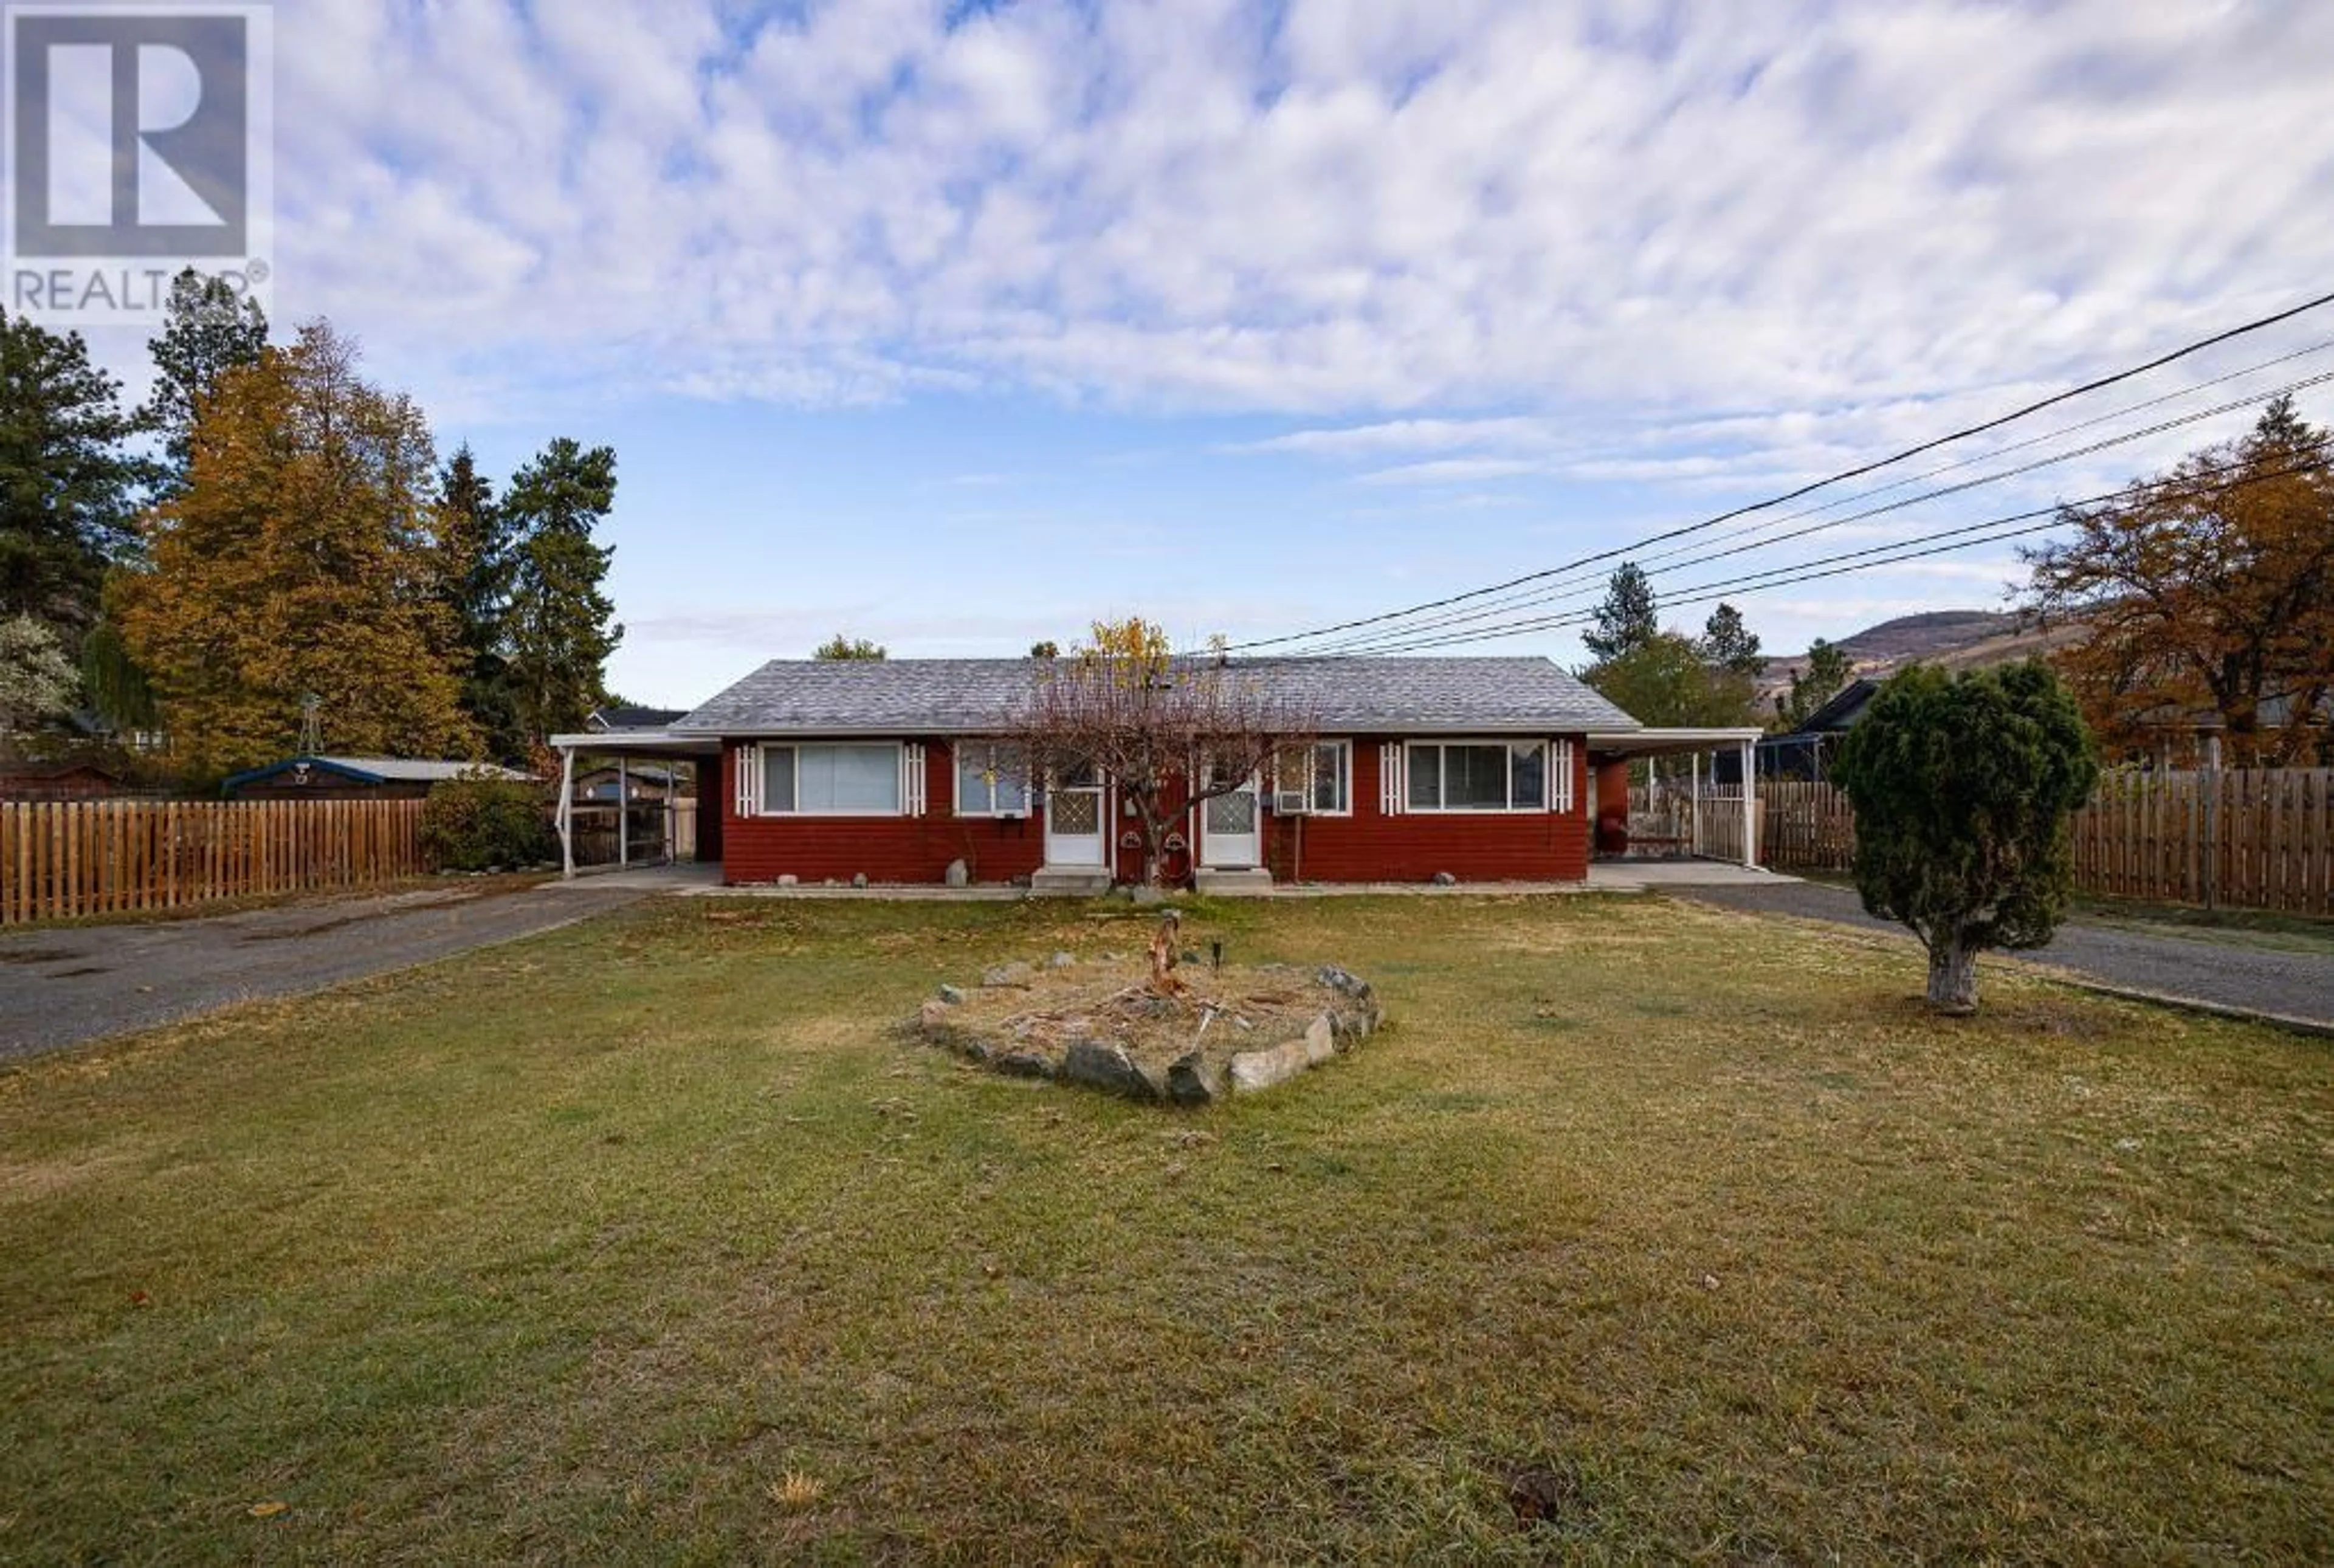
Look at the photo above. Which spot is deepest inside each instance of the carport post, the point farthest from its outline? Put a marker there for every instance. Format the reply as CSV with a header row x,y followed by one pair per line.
x,y
1693,812
1750,807
567,821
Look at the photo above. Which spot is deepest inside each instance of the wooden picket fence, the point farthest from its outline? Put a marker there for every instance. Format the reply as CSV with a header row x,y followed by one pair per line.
x,y
63,859
2248,839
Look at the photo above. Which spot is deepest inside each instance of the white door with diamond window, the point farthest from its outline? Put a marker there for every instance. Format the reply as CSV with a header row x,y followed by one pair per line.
x,y
1077,825
1231,830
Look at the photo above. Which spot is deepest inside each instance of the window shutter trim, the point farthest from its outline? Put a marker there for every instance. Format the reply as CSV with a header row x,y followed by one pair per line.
x,y
1389,779
911,779
749,781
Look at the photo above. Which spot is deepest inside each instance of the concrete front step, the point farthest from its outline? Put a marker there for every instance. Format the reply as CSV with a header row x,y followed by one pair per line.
x,y
1070,882
1252,883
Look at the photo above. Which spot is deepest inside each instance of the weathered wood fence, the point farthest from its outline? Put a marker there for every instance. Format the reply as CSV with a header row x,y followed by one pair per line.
x,y
63,859
2249,839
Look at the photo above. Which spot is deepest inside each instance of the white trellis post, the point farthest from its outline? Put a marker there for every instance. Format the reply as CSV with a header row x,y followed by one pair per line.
x,y
623,813
567,811
1694,810
1750,807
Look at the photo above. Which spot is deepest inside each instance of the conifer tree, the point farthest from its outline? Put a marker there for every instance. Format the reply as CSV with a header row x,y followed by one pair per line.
x,y
1628,619
562,625
207,330
481,567
68,481
1963,788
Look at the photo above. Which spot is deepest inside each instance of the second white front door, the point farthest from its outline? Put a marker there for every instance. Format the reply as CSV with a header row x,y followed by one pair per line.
x,y
1231,830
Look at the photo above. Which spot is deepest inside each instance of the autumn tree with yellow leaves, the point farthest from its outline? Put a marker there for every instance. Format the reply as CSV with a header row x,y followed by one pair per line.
x,y
307,556
2209,593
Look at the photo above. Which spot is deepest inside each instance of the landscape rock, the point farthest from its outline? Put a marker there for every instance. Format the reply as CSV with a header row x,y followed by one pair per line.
x,y
957,875
789,880
1320,1041
1255,1070
1022,1064
1105,1065
859,881
951,994
1060,961
1013,974
1344,982
1444,880
1193,1080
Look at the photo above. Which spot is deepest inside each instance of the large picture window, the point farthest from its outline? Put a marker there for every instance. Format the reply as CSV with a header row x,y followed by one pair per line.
x,y
1474,775
991,781
831,780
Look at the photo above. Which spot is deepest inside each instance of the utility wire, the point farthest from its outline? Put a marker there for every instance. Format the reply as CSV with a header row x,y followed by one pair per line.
x,y
2013,526
1574,589
1543,594
2096,384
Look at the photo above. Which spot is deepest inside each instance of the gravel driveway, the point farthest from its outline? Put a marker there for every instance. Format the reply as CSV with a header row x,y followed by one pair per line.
x,y
74,983
2218,972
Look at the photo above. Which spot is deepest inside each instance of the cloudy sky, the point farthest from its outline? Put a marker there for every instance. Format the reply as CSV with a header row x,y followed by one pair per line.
x,y
957,326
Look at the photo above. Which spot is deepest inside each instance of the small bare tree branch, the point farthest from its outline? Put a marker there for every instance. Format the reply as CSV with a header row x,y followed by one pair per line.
x,y
1169,733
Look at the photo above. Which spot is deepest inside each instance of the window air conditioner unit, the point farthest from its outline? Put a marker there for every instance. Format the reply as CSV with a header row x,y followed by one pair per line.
x,y
1291,802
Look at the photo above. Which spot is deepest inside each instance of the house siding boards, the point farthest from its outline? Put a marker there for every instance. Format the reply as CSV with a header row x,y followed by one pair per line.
x,y
935,704
888,849
1369,845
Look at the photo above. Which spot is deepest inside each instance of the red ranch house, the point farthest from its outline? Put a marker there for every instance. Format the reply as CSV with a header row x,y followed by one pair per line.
x,y
895,770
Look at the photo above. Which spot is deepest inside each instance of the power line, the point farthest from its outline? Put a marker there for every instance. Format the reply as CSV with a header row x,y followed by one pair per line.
x,y
2013,526
1574,587
1517,600
2183,352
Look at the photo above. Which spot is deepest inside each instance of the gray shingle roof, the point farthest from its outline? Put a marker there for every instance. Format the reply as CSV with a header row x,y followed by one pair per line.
x,y
970,695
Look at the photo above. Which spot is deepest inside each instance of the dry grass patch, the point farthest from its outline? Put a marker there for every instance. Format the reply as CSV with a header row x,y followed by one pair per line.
x,y
1642,1231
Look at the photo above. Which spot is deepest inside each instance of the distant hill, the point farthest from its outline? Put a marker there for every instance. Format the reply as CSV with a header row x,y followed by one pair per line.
x,y
1955,638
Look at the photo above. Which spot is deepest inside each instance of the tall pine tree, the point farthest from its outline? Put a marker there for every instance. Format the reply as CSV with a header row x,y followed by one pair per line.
x,y
68,481
1628,619
481,569
208,330
562,625
302,556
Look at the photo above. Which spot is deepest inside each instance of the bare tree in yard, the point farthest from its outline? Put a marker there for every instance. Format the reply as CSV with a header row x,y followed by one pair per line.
x,y
1169,733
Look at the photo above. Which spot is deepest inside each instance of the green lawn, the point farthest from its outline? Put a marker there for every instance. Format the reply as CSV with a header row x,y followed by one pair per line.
x,y
1682,1236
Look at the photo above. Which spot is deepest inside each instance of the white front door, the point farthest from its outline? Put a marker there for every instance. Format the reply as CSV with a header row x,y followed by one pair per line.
x,y
1077,825
1231,831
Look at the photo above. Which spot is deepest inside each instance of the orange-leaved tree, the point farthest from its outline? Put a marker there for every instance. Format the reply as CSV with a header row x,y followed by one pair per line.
x,y
2209,593
1167,732
302,561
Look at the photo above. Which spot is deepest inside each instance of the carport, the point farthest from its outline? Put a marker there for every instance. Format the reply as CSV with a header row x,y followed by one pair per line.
x,y
1718,823
625,747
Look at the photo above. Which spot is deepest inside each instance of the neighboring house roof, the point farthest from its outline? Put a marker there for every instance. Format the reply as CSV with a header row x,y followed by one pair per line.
x,y
1846,706
373,770
608,719
972,696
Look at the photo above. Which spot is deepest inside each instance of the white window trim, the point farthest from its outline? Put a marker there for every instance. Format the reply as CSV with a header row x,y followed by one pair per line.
x,y
1547,786
911,801
1559,775
1394,780
1030,790
1313,756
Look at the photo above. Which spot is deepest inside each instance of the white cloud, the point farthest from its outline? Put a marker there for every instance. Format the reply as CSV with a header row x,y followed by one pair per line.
x,y
1373,209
